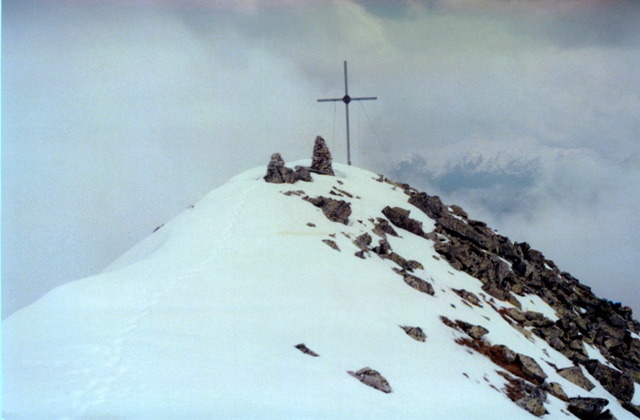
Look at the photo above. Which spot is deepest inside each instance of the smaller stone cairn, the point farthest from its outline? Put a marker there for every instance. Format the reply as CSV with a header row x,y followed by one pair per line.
x,y
321,160
277,173
321,163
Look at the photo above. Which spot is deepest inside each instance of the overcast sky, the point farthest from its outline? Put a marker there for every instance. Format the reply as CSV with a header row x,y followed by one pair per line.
x,y
117,115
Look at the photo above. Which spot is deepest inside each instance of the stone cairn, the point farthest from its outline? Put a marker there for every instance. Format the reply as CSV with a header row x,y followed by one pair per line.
x,y
321,160
321,163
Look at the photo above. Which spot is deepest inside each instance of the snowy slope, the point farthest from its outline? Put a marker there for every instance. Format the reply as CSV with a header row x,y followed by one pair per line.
x,y
200,320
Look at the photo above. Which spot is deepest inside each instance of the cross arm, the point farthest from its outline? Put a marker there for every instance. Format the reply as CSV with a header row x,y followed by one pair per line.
x,y
330,100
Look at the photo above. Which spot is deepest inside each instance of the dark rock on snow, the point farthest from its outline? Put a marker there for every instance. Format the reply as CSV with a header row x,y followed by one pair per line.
x,y
373,378
335,210
306,350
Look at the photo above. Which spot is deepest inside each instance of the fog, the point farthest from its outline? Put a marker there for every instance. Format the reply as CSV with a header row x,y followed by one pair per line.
x,y
118,115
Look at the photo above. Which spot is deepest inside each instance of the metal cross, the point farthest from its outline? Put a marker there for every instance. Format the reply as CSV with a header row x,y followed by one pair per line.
x,y
346,99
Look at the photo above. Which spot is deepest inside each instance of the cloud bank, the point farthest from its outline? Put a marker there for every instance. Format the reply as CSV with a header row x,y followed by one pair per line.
x,y
118,115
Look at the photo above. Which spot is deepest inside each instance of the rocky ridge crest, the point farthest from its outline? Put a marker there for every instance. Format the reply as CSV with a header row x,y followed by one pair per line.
x,y
506,269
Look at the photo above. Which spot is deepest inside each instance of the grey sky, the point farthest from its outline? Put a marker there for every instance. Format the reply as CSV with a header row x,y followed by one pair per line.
x,y
118,115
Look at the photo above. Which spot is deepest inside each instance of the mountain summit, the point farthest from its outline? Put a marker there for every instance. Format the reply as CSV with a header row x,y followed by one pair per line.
x,y
323,291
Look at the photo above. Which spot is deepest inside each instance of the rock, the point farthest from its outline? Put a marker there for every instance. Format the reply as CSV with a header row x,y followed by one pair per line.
x,y
531,368
363,241
587,408
416,282
505,354
383,247
473,331
335,210
632,408
321,161
373,378
400,218
574,374
408,265
306,350
619,384
468,296
415,332
525,395
532,405
556,390
383,228
332,244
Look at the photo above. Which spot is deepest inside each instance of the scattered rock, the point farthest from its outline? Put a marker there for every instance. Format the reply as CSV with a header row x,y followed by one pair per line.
x,y
468,296
373,378
416,282
311,224
415,332
587,408
363,241
335,210
321,161
574,374
383,228
306,350
332,244
383,248
474,331
525,395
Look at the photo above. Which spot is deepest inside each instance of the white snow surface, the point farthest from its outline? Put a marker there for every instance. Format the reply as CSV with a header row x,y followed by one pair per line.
x,y
200,320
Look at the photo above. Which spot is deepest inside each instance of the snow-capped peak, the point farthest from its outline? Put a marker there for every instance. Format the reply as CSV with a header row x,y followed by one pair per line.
x,y
347,296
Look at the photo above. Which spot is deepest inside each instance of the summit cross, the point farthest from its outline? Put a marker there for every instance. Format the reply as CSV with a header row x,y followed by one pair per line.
x,y
346,99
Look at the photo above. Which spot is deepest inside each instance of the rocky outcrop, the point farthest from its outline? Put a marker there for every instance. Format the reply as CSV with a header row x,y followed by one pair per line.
x,y
278,173
620,385
509,269
373,378
321,161
400,218
335,210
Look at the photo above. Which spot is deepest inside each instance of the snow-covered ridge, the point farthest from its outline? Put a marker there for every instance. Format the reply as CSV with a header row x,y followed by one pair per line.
x,y
202,319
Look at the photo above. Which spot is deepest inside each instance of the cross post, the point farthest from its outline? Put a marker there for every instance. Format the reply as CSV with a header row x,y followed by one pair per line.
x,y
346,99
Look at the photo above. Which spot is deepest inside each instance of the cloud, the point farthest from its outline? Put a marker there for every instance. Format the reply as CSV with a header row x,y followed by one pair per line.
x,y
118,115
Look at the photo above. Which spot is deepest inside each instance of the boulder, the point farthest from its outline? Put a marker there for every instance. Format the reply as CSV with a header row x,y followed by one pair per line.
x,y
619,384
587,408
373,378
335,210
415,332
574,375
321,160
416,282
531,368
474,331
400,218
